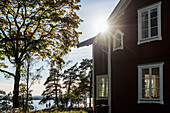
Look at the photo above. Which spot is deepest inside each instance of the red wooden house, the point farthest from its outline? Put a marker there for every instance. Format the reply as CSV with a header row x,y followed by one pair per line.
x,y
132,59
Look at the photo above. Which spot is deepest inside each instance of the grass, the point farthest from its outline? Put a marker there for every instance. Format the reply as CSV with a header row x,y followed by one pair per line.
x,y
41,111
71,112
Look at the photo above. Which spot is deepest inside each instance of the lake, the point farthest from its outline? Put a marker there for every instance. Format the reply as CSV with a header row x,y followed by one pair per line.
x,y
38,106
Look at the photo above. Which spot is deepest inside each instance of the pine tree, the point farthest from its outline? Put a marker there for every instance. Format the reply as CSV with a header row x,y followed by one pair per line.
x,y
70,79
85,84
53,87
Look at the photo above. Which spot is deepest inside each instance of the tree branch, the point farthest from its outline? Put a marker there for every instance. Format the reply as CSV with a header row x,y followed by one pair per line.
x,y
3,33
15,18
9,23
4,71
36,28
24,17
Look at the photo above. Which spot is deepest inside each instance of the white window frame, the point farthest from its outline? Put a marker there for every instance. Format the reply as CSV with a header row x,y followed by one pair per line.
x,y
150,66
97,87
153,38
114,40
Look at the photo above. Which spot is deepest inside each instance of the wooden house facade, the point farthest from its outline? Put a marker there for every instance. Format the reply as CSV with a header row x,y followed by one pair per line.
x,y
132,59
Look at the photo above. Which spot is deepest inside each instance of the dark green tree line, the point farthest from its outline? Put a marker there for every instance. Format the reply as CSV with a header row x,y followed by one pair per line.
x,y
53,87
75,84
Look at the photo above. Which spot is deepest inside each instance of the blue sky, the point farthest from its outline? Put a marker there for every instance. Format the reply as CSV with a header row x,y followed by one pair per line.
x,y
93,12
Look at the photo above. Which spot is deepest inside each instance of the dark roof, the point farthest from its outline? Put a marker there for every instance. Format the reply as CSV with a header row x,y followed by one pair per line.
x,y
86,42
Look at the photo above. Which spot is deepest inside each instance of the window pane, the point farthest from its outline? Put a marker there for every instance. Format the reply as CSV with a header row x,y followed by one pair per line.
x,y
154,22
155,72
154,31
145,73
101,87
145,93
145,25
145,33
145,83
153,13
155,83
155,93
144,16
118,40
106,87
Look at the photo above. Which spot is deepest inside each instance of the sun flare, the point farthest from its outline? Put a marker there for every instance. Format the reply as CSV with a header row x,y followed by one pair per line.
x,y
101,26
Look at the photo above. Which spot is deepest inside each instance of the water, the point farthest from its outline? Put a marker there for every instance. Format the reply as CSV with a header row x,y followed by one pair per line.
x,y
38,106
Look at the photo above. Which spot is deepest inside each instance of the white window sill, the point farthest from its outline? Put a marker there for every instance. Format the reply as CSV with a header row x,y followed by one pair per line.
x,y
153,101
102,98
118,48
146,40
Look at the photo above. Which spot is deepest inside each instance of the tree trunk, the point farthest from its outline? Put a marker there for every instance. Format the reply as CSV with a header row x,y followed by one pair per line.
x,y
26,107
56,92
6,107
28,71
16,88
78,104
69,85
23,102
56,98
90,89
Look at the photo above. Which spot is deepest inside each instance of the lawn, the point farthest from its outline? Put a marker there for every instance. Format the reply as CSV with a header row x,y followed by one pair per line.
x,y
40,111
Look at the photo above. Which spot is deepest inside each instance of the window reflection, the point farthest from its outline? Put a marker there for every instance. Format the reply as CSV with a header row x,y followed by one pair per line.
x,y
150,83
102,87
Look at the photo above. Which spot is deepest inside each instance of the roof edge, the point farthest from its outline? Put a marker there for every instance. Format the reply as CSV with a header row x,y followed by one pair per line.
x,y
86,42
115,15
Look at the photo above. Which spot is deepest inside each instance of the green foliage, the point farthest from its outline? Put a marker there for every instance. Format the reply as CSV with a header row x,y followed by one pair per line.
x,y
29,78
53,87
22,97
70,77
77,81
46,29
85,68
71,96
84,86
5,100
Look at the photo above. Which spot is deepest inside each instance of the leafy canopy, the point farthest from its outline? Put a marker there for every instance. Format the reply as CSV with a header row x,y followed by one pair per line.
x,y
44,28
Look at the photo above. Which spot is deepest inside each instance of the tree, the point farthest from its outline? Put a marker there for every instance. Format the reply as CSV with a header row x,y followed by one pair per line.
x,y
5,101
53,87
70,78
85,84
44,28
23,96
29,78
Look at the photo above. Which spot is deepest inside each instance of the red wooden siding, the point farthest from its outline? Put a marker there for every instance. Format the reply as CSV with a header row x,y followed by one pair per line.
x,y
124,62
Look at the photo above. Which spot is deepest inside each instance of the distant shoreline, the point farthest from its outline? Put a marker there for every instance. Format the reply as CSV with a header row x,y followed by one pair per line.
x,y
33,97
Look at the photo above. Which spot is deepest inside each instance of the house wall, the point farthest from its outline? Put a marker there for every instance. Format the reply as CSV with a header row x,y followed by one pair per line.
x,y
124,62
100,68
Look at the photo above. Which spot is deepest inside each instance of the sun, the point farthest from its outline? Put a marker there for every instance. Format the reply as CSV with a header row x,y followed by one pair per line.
x,y
101,26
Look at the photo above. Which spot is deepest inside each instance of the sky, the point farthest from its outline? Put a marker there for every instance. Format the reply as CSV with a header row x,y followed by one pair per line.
x,y
94,13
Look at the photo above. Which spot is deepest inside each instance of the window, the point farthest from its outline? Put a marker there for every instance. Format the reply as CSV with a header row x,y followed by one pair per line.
x,y
149,23
150,83
118,40
102,87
